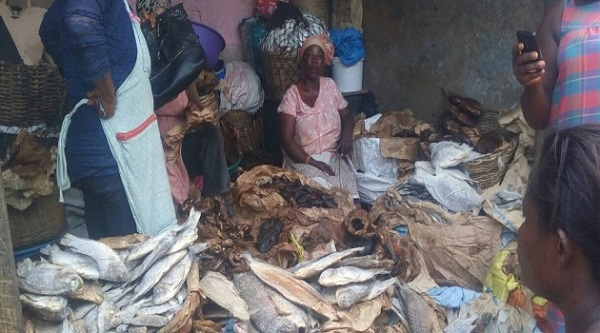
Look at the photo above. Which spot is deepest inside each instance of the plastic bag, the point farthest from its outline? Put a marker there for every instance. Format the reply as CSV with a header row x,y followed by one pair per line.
x,y
374,173
244,91
370,187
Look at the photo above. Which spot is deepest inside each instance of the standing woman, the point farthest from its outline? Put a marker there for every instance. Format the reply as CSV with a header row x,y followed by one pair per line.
x,y
316,125
562,89
109,146
559,242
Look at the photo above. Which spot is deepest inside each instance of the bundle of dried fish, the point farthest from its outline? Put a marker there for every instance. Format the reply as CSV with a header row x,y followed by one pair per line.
x,y
111,296
269,234
299,195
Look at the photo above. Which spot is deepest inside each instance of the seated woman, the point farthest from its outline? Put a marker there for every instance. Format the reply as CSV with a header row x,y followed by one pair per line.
x,y
315,123
558,244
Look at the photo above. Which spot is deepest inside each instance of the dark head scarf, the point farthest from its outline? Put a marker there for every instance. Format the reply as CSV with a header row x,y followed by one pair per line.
x,y
151,5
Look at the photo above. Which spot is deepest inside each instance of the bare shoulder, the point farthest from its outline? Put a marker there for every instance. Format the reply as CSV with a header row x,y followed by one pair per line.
x,y
552,19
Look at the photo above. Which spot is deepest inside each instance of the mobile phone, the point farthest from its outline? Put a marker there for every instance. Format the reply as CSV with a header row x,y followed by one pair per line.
x,y
527,38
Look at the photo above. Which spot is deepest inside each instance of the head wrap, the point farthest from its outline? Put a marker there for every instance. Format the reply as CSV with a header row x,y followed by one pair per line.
x,y
151,5
323,42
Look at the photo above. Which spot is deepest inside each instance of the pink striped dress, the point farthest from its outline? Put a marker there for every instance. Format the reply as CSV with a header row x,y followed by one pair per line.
x,y
576,97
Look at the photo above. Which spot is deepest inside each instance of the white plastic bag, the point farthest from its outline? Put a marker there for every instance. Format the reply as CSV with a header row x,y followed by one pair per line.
x,y
244,91
381,172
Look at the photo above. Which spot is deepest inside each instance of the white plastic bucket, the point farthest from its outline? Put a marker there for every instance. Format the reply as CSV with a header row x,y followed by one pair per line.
x,y
348,79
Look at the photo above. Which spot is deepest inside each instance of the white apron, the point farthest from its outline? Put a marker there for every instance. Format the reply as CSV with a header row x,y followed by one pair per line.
x,y
134,140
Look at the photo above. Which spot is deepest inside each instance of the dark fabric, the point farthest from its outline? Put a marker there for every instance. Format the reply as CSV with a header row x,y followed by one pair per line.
x,y
285,11
177,56
203,154
151,5
107,211
87,39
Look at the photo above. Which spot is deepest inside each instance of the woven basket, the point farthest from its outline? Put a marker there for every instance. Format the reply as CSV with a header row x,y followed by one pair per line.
x,y
40,222
242,131
30,95
280,69
489,169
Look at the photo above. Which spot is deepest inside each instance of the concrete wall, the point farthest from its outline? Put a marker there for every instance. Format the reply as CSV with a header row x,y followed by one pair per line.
x,y
414,47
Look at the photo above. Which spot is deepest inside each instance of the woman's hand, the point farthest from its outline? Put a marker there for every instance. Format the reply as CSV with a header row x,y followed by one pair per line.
x,y
346,141
104,106
526,69
322,166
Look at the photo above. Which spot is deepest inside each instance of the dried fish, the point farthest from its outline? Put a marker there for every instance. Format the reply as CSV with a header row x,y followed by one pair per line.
x,y
172,306
345,275
266,314
68,326
184,239
91,320
106,312
150,320
90,292
347,296
47,279
171,282
417,311
125,315
51,308
81,310
156,272
223,292
158,252
313,267
268,235
123,242
140,250
111,268
367,262
138,329
82,264
291,288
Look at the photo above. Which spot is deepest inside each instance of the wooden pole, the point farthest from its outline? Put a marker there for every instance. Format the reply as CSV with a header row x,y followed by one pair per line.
x,y
11,318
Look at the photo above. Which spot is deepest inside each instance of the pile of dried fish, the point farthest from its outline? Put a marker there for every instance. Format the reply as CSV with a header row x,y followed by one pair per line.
x,y
469,122
127,284
301,196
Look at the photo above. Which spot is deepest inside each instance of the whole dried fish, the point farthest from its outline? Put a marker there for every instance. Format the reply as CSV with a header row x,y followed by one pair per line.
x,y
83,265
223,292
51,308
347,296
172,306
171,282
184,239
313,267
138,329
111,268
106,312
140,250
91,292
367,262
417,311
47,279
91,320
345,275
265,313
159,251
156,272
295,290
69,326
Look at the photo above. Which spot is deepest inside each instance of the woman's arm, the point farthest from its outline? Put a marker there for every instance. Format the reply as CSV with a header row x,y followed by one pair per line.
x,y
539,78
287,125
346,139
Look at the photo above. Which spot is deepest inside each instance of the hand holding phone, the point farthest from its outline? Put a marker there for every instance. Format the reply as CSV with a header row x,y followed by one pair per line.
x,y
527,38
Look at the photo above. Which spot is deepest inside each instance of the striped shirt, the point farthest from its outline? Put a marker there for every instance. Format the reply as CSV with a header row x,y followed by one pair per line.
x,y
576,97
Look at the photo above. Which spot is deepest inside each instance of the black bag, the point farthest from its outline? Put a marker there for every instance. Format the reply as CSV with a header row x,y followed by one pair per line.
x,y
177,56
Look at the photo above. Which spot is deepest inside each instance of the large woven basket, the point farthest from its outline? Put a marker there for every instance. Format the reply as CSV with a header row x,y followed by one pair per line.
x,y
40,222
281,69
242,130
30,95
489,169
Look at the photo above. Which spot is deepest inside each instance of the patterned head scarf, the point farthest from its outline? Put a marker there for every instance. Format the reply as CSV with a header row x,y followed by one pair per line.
x,y
149,6
323,42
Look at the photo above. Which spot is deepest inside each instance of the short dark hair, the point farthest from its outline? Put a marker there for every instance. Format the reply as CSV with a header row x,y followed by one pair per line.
x,y
565,184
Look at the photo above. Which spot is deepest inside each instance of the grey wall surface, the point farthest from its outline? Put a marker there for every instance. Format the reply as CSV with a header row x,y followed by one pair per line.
x,y
414,47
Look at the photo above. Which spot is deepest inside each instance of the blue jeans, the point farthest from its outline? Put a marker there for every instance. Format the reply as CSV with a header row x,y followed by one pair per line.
x,y
107,211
